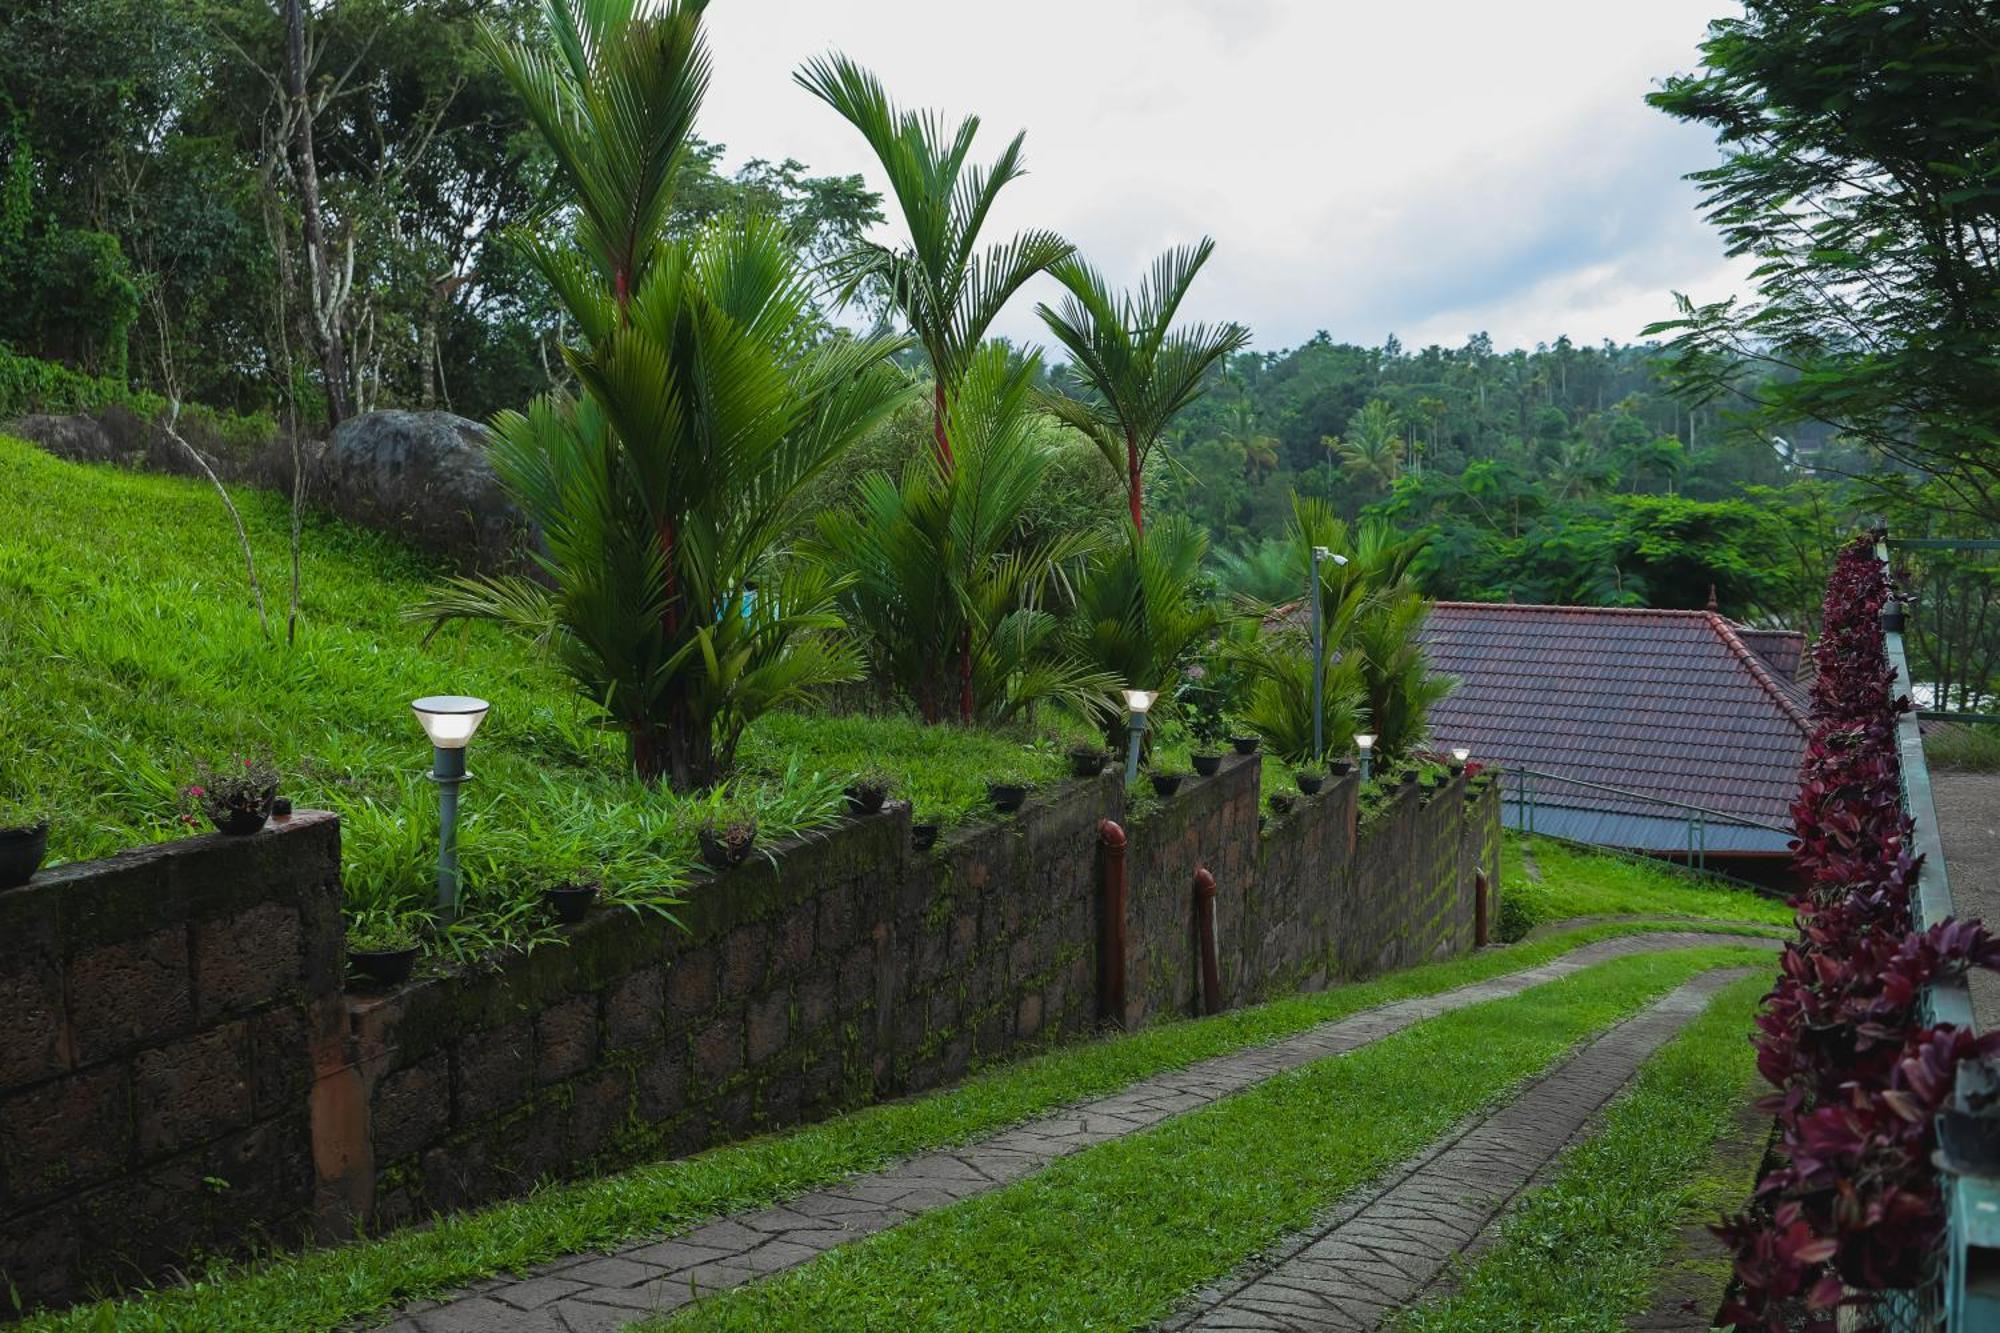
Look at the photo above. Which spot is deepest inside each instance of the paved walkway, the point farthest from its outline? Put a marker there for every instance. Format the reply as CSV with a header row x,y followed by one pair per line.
x,y
1968,811
1386,1250
597,1293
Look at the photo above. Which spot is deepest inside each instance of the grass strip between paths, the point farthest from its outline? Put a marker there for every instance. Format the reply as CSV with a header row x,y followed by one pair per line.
x,y
1115,1236
1585,1251
328,1288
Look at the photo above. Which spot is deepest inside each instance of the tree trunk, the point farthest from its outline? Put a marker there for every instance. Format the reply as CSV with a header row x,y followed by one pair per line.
x,y
1132,482
937,426
326,310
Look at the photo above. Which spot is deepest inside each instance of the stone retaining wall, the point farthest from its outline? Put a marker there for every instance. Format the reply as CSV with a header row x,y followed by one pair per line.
x,y
174,1019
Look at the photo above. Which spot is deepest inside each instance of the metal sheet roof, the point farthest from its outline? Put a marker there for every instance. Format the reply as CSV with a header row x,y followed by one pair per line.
x,y
1640,833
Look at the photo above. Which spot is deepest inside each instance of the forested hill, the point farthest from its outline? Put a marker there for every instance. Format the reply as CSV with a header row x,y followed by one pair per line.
x,y
1563,474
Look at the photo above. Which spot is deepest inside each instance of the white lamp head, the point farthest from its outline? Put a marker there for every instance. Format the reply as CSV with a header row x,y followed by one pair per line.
x,y
1327,553
450,719
1364,742
1138,701
1460,755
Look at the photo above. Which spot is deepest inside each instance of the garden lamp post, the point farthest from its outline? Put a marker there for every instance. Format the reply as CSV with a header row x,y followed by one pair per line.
x,y
1137,702
1366,744
449,720
1319,553
1458,758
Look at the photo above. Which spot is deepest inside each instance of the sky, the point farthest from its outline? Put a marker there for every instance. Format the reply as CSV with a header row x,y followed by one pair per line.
x,y
1422,168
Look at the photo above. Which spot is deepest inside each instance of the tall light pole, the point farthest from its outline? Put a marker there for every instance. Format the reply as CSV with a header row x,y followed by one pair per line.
x,y
449,720
1319,553
1365,743
1137,702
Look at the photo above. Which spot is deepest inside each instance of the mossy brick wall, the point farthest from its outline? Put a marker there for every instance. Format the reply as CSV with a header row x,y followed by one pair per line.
x,y
1309,897
845,968
182,1071
158,1013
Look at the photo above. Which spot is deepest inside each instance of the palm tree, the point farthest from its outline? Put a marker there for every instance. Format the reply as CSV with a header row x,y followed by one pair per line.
x,y
946,288
1373,448
710,397
1124,348
1140,613
936,573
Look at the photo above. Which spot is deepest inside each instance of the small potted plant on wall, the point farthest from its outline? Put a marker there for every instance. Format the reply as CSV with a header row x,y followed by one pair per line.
x,y
382,947
236,794
24,841
571,898
1244,742
1166,782
1086,761
726,842
1007,797
1310,780
924,835
868,791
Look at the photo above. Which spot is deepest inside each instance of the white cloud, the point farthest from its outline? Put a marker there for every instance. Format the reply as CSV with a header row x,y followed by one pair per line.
x,y
1428,168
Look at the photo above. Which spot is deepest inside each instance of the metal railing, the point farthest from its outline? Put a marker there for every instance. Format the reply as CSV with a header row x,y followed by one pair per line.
x,y
1966,1293
1697,816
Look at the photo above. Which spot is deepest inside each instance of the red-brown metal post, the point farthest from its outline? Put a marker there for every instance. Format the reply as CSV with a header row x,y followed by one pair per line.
x,y
1204,918
1479,909
1111,925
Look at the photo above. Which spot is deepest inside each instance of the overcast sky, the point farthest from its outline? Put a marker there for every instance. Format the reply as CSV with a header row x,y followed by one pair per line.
x,y
1427,168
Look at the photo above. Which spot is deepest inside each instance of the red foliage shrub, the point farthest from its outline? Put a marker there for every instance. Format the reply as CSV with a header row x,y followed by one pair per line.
x,y
1854,1204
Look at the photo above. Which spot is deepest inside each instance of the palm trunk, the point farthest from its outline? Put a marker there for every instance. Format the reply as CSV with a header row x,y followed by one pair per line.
x,y
1132,481
937,426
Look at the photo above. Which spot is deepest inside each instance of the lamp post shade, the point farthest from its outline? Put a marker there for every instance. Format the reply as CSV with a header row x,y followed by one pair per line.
x,y
450,719
1138,701
1364,742
1460,755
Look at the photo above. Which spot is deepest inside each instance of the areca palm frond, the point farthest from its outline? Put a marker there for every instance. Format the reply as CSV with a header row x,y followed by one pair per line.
x,y
1372,450
1395,672
953,606
1280,667
1140,614
1141,369
944,285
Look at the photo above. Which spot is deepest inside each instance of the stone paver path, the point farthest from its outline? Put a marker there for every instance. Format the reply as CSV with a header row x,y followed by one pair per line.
x,y
597,1293
1383,1251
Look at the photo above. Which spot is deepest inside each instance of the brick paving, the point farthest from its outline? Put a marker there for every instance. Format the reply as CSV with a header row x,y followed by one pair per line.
x,y
1386,1250
597,1293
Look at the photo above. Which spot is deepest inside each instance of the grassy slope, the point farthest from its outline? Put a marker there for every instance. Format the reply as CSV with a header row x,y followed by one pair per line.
x,y
1112,1237
1583,1252
128,647
324,1289
1575,883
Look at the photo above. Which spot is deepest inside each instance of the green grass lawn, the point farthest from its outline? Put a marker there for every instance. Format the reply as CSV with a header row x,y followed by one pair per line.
x,y
326,1289
1115,1236
129,649
1576,882
1584,1251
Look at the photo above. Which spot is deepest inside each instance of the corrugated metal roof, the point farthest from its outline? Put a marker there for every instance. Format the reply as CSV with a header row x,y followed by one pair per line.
x,y
1673,704
1639,833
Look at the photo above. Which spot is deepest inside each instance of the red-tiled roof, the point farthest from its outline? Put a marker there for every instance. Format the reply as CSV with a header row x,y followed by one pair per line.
x,y
1783,649
1675,704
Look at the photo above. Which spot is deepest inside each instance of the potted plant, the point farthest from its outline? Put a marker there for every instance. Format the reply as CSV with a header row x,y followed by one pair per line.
x,y
236,795
923,836
24,841
382,948
1310,780
1244,744
1086,761
1207,765
1281,802
725,844
1007,797
1340,768
570,900
867,792
1166,783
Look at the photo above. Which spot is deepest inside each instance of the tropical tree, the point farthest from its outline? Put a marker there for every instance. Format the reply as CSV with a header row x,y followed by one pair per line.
x,y
948,289
1141,369
1279,665
953,603
1140,612
711,394
1372,450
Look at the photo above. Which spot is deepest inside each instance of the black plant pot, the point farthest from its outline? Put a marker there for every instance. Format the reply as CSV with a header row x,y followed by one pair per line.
x,y
865,798
1207,764
1007,797
923,836
384,967
1166,784
1340,768
1309,783
570,901
1244,744
239,822
1086,763
721,853
1281,802
21,851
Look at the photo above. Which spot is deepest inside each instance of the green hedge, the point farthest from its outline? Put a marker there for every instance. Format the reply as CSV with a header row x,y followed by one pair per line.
x,y
29,385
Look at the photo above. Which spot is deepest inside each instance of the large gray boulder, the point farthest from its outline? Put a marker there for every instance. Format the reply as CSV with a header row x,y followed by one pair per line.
x,y
425,477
